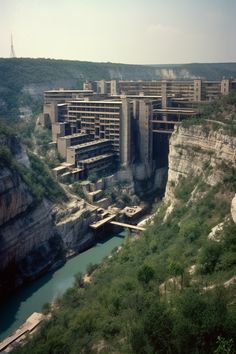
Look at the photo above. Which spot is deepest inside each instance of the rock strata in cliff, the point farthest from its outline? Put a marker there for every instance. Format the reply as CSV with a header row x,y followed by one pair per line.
x,y
198,151
233,209
34,238
72,224
15,197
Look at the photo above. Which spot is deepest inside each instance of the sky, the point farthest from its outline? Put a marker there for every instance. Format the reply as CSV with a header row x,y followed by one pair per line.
x,y
121,31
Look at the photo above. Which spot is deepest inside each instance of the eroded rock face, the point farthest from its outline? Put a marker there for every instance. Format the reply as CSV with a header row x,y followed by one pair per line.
x,y
73,227
195,151
29,245
15,197
34,239
233,209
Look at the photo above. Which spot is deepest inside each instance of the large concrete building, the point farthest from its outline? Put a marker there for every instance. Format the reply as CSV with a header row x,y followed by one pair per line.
x,y
125,122
192,90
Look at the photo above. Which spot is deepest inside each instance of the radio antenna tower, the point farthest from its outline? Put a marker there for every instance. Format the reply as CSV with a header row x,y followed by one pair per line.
x,y
12,54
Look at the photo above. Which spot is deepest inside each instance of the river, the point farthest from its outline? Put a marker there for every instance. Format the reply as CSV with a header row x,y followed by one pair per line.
x,y
30,298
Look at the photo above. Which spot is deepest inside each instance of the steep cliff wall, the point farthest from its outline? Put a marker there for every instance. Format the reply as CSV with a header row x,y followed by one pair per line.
x,y
34,239
28,243
72,222
15,197
35,233
199,150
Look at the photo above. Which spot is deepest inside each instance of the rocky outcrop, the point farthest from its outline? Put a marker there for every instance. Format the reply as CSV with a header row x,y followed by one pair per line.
x,y
216,232
25,233
29,245
34,238
198,150
72,224
15,197
233,209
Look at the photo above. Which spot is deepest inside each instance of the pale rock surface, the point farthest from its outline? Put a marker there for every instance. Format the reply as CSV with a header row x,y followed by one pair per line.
x,y
194,149
233,209
215,234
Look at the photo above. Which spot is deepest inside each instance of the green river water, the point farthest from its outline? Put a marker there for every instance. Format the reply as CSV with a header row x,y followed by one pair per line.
x,y
31,298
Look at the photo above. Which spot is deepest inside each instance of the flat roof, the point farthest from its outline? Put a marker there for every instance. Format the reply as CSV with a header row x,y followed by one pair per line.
x,y
77,135
89,143
59,168
62,104
99,223
97,101
96,158
66,174
139,96
68,91
62,166
175,110
76,170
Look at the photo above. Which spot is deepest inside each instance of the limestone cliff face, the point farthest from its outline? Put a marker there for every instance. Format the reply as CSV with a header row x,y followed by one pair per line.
x,y
198,150
72,224
25,233
233,209
34,239
29,244
15,197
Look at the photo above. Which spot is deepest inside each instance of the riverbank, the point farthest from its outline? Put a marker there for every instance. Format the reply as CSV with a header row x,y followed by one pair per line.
x,y
31,297
20,335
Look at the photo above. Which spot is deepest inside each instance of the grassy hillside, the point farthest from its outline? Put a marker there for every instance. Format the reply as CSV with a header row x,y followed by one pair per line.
x,y
171,290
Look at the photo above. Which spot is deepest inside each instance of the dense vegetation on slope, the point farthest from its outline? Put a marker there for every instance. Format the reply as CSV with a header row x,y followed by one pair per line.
x,y
167,291
219,114
37,176
127,310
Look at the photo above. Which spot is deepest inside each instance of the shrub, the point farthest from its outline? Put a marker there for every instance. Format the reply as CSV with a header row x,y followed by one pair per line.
x,y
145,274
91,268
230,98
46,308
209,257
40,181
190,230
125,198
185,188
77,189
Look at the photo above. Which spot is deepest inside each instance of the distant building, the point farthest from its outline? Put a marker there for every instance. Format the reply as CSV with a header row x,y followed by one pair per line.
x,y
123,122
191,90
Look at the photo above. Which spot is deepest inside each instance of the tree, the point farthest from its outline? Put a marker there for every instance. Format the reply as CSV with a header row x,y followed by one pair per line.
x,y
209,257
224,346
145,274
79,280
176,269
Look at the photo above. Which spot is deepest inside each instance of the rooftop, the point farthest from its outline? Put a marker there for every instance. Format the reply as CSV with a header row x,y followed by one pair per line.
x,y
108,101
69,91
77,135
62,166
96,158
89,143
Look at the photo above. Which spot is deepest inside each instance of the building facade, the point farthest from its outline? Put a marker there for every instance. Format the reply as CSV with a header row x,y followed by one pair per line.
x,y
119,121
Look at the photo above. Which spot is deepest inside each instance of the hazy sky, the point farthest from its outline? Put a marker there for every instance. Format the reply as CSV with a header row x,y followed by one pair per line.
x,y
125,31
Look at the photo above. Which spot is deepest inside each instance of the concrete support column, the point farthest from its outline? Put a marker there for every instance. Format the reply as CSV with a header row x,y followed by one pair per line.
x,y
225,86
145,132
125,124
197,87
164,94
114,88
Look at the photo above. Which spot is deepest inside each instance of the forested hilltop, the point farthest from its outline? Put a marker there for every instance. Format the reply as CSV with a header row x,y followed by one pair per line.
x,y
24,78
172,288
